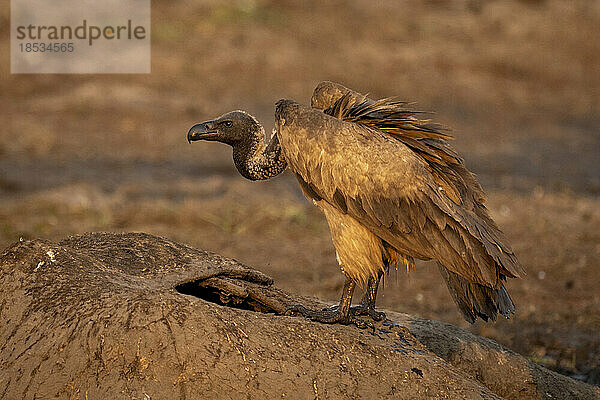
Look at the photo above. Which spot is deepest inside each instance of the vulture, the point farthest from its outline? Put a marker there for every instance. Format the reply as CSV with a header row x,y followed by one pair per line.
x,y
392,190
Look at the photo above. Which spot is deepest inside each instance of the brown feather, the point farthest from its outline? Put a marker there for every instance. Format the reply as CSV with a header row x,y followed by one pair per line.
x,y
395,174
426,139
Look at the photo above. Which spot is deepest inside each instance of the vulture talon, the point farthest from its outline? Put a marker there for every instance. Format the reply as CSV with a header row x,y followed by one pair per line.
x,y
329,315
360,310
323,316
363,309
335,315
331,308
295,309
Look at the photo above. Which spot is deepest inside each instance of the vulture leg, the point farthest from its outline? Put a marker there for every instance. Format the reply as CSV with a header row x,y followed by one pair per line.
x,y
367,305
338,315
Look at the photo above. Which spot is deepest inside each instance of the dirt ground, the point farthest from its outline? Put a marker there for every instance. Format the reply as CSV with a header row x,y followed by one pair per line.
x,y
516,81
162,320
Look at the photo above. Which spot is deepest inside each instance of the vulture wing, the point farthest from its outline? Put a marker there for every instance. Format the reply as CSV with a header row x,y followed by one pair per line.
x,y
379,166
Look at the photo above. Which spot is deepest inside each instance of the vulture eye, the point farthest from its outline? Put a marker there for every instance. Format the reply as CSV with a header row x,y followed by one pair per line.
x,y
228,124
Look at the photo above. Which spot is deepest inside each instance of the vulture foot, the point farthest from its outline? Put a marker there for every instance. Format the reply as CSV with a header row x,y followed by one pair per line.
x,y
362,309
331,315
367,305
365,309
340,314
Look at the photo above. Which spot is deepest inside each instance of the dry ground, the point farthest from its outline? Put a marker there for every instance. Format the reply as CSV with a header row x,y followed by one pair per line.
x,y
517,81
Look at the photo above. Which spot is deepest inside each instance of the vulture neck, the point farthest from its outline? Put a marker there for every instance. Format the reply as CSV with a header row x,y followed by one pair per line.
x,y
255,161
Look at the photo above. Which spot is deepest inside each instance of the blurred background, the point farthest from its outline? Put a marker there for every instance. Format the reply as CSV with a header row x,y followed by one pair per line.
x,y
517,81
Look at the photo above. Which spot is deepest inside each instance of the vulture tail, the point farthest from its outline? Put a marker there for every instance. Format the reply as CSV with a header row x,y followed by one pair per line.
x,y
475,300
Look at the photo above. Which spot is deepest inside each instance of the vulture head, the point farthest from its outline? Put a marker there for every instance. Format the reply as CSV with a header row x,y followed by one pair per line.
x,y
236,128
245,135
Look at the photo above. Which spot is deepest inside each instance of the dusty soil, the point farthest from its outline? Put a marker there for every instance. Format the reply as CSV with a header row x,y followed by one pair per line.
x,y
517,81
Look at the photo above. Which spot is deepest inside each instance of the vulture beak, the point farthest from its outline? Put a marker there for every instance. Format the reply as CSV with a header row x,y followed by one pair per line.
x,y
202,131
